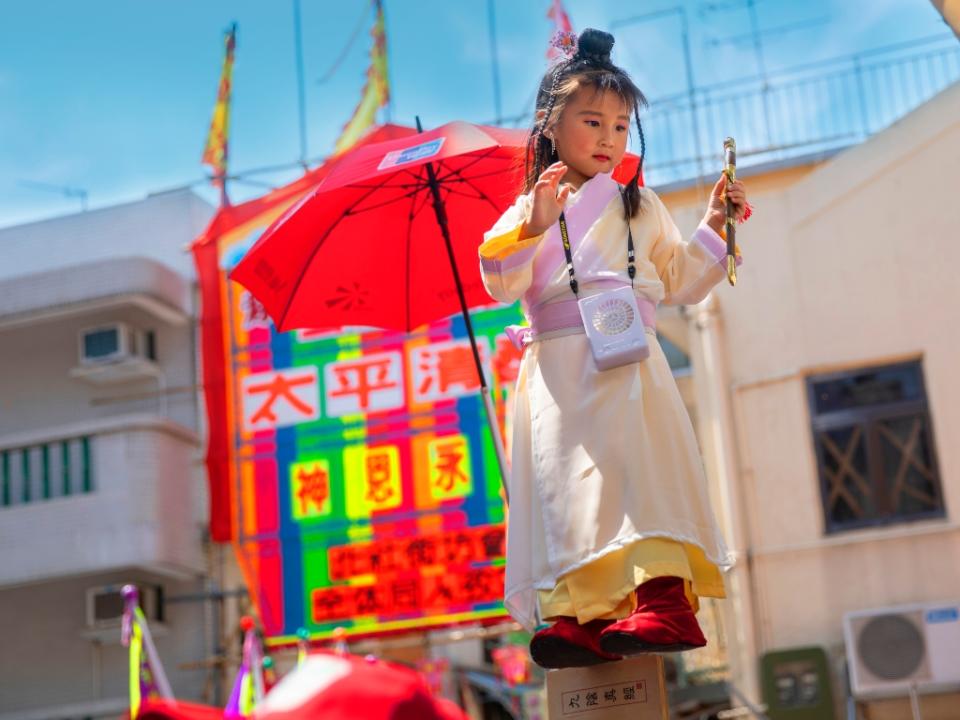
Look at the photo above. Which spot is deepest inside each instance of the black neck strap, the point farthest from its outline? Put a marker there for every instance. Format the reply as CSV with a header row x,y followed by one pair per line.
x,y
565,238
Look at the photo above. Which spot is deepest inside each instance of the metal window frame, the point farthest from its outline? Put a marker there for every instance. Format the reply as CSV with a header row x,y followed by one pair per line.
x,y
868,417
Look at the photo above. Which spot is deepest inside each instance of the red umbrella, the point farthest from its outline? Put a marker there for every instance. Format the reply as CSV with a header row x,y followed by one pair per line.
x,y
389,239
328,686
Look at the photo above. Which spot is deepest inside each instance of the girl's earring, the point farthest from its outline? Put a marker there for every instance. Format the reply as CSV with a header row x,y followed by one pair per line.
x,y
553,145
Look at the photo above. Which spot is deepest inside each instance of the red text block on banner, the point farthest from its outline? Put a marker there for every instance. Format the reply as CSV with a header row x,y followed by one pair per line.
x,y
402,595
452,548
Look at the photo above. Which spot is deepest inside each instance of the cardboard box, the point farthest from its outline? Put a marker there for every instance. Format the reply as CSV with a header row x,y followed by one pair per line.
x,y
631,689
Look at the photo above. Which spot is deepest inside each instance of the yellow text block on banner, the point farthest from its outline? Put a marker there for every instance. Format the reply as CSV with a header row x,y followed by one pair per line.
x,y
372,477
449,467
310,489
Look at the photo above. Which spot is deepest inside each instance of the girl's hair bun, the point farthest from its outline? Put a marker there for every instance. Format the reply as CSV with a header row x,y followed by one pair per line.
x,y
595,45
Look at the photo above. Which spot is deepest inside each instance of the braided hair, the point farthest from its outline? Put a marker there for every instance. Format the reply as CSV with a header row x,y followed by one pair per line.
x,y
590,66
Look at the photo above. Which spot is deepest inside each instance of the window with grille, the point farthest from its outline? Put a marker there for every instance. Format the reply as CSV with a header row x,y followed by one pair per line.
x,y
875,449
46,471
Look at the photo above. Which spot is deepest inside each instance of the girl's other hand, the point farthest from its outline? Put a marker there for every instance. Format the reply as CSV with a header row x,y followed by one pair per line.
x,y
717,206
548,201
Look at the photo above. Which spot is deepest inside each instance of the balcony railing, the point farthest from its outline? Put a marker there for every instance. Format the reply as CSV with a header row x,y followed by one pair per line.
x,y
46,471
809,109
98,495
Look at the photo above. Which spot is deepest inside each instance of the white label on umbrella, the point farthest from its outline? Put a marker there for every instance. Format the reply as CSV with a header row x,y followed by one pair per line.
x,y
411,154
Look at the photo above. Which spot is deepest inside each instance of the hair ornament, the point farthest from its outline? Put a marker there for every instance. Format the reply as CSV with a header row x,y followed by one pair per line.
x,y
565,43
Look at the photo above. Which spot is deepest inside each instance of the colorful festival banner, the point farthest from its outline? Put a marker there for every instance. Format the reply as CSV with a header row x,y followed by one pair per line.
x,y
353,469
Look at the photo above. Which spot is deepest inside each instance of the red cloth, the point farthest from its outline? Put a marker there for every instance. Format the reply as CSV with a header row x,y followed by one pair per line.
x,y
345,687
177,710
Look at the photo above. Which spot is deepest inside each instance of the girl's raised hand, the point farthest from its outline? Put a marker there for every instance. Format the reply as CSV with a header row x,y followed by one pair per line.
x,y
548,201
717,206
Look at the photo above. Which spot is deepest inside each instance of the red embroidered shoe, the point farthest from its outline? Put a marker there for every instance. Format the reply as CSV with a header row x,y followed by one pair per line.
x,y
567,643
662,622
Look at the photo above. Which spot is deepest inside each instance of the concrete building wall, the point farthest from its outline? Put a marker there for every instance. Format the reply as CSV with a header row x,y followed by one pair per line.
x,y
141,511
49,658
849,263
37,389
158,227
141,515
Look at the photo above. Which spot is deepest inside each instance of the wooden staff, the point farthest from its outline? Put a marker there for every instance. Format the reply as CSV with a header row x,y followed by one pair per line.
x,y
730,170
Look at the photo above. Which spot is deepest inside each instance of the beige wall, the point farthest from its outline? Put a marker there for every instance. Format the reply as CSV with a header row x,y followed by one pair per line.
x,y
849,262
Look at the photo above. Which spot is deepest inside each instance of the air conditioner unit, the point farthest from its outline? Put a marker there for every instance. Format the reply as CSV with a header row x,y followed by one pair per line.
x,y
116,353
113,343
890,650
105,605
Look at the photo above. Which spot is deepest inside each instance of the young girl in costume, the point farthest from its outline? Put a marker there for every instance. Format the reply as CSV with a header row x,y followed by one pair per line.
x,y
610,538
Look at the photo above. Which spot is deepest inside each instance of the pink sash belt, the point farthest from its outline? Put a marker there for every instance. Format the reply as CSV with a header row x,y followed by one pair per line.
x,y
565,315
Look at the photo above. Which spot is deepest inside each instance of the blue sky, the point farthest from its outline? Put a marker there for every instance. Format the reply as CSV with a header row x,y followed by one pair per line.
x,y
115,96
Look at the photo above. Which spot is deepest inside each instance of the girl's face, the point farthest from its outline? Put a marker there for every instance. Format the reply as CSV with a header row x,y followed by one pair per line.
x,y
591,134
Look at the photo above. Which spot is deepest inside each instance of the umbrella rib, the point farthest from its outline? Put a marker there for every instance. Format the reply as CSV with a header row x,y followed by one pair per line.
x,y
384,182
478,176
383,185
303,272
477,158
391,201
315,250
486,174
450,190
459,174
416,187
481,193
424,199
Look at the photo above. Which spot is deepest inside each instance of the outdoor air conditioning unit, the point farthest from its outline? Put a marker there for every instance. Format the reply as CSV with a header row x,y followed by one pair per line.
x,y
115,342
104,610
890,650
105,604
116,353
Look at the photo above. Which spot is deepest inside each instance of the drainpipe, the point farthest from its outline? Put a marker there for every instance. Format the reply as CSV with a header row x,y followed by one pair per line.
x,y
717,436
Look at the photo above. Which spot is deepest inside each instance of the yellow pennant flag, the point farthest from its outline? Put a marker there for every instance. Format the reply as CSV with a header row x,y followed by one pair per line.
x,y
376,93
215,152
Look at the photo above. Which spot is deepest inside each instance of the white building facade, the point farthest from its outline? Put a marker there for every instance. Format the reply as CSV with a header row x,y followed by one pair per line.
x,y
101,474
828,407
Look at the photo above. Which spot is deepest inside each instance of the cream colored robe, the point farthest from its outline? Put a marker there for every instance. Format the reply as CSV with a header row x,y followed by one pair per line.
x,y
599,459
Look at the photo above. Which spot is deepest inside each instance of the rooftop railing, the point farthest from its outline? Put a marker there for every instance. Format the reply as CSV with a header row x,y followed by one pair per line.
x,y
808,109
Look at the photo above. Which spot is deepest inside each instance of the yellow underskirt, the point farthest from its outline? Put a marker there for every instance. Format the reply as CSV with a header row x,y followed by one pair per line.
x,y
604,589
